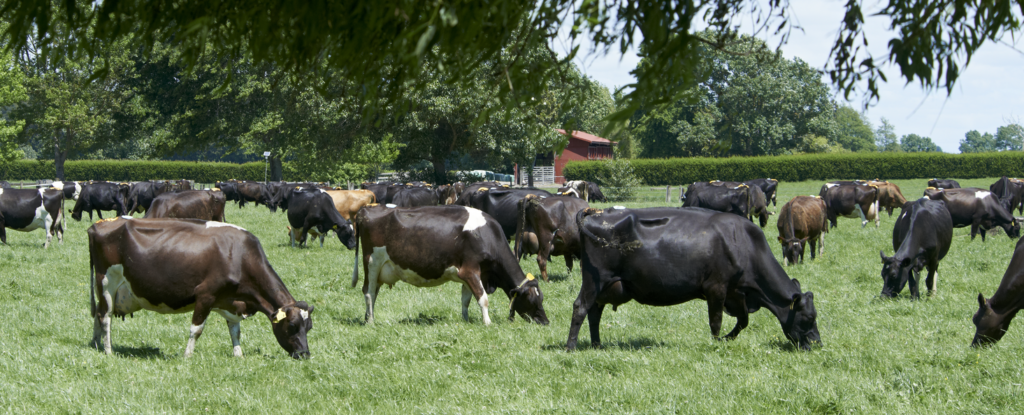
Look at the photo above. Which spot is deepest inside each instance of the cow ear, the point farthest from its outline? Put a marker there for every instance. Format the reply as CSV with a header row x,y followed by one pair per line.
x,y
884,258
795,305
981,301
797,282
781,239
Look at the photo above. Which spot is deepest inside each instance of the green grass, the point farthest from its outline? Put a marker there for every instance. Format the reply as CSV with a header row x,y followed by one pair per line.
x,y
896,356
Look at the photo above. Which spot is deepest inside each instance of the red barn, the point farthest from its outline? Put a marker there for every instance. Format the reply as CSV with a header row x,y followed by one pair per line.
x,y
582,146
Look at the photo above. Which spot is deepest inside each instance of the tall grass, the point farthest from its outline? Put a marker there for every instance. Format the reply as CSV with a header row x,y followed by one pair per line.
x,y
896,356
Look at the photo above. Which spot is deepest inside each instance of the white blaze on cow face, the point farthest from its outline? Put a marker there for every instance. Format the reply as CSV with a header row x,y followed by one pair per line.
x,y
475,220
215,224
981,194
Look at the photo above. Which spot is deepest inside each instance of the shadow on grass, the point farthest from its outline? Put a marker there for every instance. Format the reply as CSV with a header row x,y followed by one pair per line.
x,y
352,321
423,320
559,277
144,352
632,345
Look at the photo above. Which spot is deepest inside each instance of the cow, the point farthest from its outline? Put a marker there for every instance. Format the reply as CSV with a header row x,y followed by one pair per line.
x,y
26,210
100,196
943,184
568,191
430,245
71,189
547,226
348,202
473,188
257,193
380,190
1009,194
851,201
4,184
581,187
594,192
230,189
443,192
141,195
192,204
281,193
742,200
921,238
181,265
501,204
825,187
768,186
977,208
415,196
994,314
651,256
889,197
803,219
314,212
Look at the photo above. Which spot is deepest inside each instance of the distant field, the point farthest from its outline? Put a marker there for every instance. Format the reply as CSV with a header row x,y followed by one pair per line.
x,y
878,356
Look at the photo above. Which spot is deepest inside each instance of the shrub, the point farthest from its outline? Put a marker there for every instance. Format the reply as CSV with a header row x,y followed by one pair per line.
x,y
619,181
135,170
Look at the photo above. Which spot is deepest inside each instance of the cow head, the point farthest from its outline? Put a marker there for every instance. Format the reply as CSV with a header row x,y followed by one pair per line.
x,y
801,323
527,301
792,249
290,324
1012,229
346,234
895,274
991,326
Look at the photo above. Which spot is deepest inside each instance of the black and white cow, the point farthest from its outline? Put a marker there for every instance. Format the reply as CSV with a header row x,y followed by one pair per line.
x,y
921,238
1009,194
100,196
977,208
71,189
653,256
313,212
430,245
502,204
850,200
26,210
994,315
943,184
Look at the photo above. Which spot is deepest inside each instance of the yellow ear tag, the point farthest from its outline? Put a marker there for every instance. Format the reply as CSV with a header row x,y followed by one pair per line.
x,y
530,277
335,227
279,316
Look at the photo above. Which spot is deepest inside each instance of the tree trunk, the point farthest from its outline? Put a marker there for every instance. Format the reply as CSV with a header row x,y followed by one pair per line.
x,y
59,156
440,171
276,169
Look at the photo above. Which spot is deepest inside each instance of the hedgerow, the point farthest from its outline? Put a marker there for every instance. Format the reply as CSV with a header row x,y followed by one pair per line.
x,y
135,170
846,166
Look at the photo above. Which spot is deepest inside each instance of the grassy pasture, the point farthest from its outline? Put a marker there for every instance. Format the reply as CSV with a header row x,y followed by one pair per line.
x,y
897,356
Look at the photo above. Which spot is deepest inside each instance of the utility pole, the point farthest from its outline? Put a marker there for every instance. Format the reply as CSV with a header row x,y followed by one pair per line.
x,y
266,164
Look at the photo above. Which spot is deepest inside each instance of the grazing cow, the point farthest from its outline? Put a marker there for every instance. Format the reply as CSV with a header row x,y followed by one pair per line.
x,y
473,188
803,219
652,256
742,200
189,204
1009,194
141,195
182,265
768,186
547,226
430,245
581,187
71,189
889,197
415,196
99,197
348,202
257,193
230,189
943,184
994,315
502,204
851,201
594,192
927,231
977,208
26,210
5,185
281,193
314,212
829,185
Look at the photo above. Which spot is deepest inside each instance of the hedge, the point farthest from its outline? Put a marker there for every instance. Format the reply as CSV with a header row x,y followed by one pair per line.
x,y
133,170
845,166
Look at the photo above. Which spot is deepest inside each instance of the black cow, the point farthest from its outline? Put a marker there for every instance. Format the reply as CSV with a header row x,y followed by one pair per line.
x,y
977,208
26,210
851,201
768,186
5,185
313,212
502,204
473,188
651,256
415,196
141,195
281,193
430,245
100,196
257,193
182,265
943,184
742,200
1009,194
230,189
994,315
380,190
546,227
192,204
927,232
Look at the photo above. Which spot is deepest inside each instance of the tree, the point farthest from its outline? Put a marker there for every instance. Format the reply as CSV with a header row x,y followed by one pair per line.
x,y
975,142
913,143
12,92
853,130
1010,137
885,137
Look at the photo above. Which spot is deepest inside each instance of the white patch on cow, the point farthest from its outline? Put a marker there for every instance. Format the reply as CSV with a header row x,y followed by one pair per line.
x,y
304,314
41,219
126,217
390,206
322,191
57,185
123,299
78,191
618,207
193,333
935,283
215,224
831,185
475,220
1,191
981,194
387,272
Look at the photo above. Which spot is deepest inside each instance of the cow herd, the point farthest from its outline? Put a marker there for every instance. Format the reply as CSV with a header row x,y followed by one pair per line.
x,y
182,256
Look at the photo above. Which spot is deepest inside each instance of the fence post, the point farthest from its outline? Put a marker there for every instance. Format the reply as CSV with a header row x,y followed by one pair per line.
x,y
349,185
668,194
681,192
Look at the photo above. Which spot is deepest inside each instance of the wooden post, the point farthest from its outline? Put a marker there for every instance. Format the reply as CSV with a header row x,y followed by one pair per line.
x,y
349,185
668,194
681,192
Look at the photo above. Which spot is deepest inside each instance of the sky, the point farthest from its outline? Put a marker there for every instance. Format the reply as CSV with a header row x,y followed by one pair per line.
x,y
989,94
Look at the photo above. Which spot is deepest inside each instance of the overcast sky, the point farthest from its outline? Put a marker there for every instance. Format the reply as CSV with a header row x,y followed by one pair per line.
x,y
987,95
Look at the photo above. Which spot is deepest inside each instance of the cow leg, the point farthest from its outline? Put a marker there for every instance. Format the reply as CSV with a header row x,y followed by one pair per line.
x,y
48,228
542,263
915,292
568,262
974,231
594,319
202,311
103,312
878,213
471,278
737,307
580,310
235,330
467,294
814,247
821,243
370,290
716,306
933,280
193,334
863,219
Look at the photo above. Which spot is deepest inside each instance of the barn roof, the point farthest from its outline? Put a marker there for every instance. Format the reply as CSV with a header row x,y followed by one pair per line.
x,y
590,138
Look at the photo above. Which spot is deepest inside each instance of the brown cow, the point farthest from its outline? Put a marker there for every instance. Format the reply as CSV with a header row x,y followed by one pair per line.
x,y
348,202
547,226
802,219
189,204
889,197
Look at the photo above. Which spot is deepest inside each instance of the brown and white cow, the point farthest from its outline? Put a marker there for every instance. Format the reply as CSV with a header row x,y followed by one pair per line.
x,y
26,210
183,265
851,200
189,204
889,197
546,227
802,219
431,245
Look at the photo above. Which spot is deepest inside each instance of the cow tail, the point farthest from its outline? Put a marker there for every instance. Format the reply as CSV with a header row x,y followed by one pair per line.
x,y
355,270
750,206
580,217
92,281
520,229
789,214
